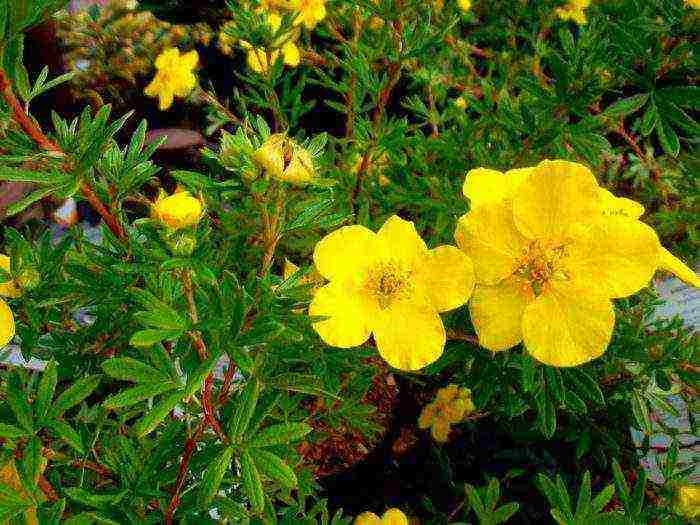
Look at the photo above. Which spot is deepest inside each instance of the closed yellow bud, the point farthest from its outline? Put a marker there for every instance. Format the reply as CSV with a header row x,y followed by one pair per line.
x,y
177,211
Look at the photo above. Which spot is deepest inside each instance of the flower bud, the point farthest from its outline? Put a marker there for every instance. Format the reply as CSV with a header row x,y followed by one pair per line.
x,y
177,211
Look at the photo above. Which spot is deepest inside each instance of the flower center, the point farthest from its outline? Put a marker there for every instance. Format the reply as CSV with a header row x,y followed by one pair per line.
x,y
539,264
387,281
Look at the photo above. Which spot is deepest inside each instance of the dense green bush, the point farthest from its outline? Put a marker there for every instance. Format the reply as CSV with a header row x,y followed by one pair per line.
x,y
184,380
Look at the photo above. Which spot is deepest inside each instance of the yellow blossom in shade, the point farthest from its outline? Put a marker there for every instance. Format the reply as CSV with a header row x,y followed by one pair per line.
x,y
311,12
574,10
178,210
695,4
174,76
550,250
7,320
687,502
464,5
283,159
451,405
388,284
390,517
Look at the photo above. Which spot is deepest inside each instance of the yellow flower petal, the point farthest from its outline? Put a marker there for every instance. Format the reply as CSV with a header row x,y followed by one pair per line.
x,y
291,54
616,256
8,288
403,239
484,186
178,210
345,252
448,277
670,263
555,196
7,324
189,60
619,206
168,58
394,517
497,313
566,326
489,237
368,518
349,320
409,334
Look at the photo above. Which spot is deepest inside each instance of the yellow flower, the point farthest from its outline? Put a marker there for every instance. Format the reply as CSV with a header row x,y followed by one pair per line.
x,y
7,289
575,11
390,517
178,210
695,4
174,76
550,250
450,406
311,12
688,501
285,160
260,59
461,102
388,284
464,5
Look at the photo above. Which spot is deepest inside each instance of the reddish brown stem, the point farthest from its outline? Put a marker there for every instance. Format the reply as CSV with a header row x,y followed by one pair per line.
x,y
228,380
209,415
110,220
190,447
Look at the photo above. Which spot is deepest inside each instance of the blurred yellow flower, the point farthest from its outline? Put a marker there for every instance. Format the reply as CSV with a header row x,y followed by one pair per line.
x,y
464,5
688,501
461,102
695,4
575,11
178,210
390,517
311,12
451,405
285,160
550,251
7,289
174,76
388,284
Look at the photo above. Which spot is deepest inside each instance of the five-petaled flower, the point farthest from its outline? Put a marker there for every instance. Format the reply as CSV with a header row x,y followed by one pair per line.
x,y
388,284
8,288
174,76
178,210
550,250
450,406
390,517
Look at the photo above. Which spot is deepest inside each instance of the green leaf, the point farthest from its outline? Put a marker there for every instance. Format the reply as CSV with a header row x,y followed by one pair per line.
x,y
149,337
213,475
65,432
97,501
504,513
33,462
247,401
197,377
623,489
651,117
134,395
668,138
555,385
281,434
252,485
11,431
46,389
475,500
129,369
22,204
302,383
17,399
637,497
602,499
586,386
153,418
583,504
81,389
640,411
274,468
626,106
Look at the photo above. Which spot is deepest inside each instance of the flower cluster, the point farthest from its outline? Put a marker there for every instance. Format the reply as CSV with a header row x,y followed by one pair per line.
x,y
551,249
11,290
390,517
450,406
574,10
547,247
174,76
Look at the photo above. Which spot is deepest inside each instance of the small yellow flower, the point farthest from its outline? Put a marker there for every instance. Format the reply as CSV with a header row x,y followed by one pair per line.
x,y
575,11
311,12
178,210
388,284
451,405
285,160
688,501
390,517
550,250
7,320
260,59
464,5
461,103
695,4
174,76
